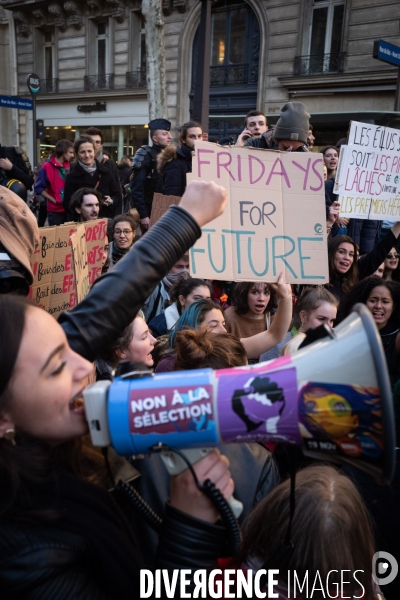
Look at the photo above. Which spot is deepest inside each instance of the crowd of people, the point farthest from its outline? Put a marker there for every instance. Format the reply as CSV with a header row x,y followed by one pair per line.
x,y
67,530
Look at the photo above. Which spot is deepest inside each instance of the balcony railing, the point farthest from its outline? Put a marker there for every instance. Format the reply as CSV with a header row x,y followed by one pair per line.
x,y
99,82
48,86
229,74
136,79
319,64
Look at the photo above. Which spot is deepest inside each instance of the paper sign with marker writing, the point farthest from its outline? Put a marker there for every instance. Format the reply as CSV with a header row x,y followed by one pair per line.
x,y
368,175
79,253
54,287
275,219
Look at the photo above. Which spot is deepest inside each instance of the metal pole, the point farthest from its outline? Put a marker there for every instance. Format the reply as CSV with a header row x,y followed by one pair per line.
x,y
397,98
35,144
201,99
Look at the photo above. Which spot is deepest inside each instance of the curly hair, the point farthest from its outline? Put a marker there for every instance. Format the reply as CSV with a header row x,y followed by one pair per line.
x,y
241,292
361,292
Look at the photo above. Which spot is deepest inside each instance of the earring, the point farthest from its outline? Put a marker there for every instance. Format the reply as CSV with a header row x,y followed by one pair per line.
x,y
10,436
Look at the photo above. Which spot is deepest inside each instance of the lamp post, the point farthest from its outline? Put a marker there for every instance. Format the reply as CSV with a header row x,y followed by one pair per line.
x,y
201,100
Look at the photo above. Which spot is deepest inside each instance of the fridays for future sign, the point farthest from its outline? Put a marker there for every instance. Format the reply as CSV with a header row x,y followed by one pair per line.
x,y
275,219
368,174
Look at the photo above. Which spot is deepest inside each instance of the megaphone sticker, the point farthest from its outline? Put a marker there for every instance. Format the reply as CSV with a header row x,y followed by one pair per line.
x,y
258,404
342,419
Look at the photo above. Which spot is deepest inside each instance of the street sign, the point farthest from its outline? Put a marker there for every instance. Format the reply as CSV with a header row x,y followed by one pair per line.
x,y
33,83
386,52
14,102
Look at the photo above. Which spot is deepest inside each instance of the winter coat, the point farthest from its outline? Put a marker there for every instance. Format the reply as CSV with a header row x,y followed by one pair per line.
x,y
163,323
174,164
51,179
79,178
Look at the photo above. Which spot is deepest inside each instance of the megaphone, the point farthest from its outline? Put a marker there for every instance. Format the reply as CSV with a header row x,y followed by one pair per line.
x,y
17,187
333,399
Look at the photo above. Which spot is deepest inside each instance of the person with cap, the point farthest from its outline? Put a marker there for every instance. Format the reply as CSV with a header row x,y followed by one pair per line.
x,y
19,239
290,133
145,180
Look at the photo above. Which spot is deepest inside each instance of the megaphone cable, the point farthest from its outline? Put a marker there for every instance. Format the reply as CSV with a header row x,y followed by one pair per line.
x,y
213,493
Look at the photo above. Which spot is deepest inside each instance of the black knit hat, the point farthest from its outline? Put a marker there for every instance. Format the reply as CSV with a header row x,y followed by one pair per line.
x,y
293,123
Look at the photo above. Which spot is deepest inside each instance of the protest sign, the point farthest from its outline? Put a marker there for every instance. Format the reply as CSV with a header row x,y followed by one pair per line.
x,y
54,285
275,219
368,174
160,206
79,254
96,232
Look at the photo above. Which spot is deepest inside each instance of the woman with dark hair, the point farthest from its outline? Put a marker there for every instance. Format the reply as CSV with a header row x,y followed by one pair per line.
x,y
182,294
135,344
382,297
123,229
204,313
315,307
331,157
87,172
62,533
344,268
331,534
175,163
252,311
392,270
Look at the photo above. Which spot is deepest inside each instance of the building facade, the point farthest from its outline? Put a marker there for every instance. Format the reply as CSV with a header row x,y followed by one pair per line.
x,y
91,58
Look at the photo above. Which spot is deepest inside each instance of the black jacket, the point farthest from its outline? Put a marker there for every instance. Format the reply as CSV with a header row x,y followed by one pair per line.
x,y
21,169
145,179
78,178
174,164
89,552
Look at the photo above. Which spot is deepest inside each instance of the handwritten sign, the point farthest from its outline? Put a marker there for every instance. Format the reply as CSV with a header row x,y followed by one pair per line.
x,y
79,254
275,220
54,287
368,175
160,206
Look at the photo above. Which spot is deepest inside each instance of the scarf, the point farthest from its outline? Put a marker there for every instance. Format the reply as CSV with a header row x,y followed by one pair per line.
x,y
90,170
172,278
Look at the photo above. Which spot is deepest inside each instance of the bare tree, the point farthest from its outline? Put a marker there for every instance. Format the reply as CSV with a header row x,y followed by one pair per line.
x,y
155,57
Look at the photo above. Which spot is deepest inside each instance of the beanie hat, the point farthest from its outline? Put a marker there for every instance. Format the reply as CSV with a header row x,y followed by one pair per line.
x,y
19,231
293,123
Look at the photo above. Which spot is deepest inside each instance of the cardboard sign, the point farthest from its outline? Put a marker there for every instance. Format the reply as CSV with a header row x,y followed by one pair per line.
x,y
79,254
275,220
160,206
54,286
368,174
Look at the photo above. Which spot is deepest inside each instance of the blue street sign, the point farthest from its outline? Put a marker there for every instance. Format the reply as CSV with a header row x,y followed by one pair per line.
x,y
14,102
389,53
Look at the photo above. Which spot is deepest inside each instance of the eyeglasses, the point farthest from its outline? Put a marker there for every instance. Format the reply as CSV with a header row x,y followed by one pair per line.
x,y
395,255
124,232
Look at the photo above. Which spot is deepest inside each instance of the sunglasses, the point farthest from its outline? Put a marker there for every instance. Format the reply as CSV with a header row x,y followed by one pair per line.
x,y
390,256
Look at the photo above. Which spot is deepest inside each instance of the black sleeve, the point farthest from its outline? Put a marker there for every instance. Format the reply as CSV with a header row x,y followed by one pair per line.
x,y
69,189
137,187
117,296
172,179
369,262
17,173
116,194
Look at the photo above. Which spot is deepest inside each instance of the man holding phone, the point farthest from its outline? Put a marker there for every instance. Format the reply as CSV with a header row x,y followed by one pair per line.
x,y
255,124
